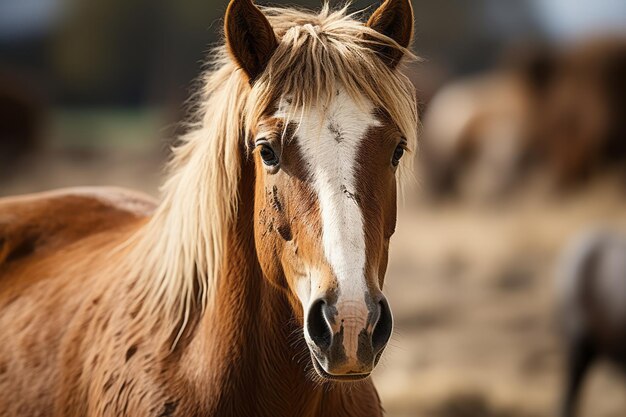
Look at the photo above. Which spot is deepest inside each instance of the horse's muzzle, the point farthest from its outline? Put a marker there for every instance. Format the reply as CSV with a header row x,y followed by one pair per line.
x,y
347,338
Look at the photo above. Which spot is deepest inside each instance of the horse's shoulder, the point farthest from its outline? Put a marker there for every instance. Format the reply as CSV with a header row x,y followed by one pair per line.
x,y
36,222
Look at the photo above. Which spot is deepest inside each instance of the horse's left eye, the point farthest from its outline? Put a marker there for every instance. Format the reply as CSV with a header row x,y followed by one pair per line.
x,y
268,155
397,155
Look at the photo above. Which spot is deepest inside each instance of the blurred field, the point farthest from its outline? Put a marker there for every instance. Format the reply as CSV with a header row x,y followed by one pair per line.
x,y
95,147
472,289
523,148
470,284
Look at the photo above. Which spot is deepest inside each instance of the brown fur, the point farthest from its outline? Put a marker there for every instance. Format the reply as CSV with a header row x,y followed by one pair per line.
x,y
394,18
113,306
250,37
85,360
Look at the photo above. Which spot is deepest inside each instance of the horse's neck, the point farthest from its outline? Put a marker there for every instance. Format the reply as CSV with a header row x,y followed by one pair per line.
x,y
244,342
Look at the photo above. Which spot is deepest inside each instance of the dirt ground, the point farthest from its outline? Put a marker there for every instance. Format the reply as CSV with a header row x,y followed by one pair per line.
x,y
471,286
472,289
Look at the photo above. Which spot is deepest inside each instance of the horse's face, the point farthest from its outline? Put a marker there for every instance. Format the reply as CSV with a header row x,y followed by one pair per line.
x,y
325,209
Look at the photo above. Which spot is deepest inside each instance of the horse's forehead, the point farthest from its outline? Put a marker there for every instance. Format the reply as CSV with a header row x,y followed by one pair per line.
x,y
341,123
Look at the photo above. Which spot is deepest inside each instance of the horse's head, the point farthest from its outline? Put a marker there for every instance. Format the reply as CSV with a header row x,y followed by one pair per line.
x,y
328,104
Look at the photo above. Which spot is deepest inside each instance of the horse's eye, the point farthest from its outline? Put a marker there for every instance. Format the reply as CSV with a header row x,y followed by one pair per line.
x,y
268,155
397,155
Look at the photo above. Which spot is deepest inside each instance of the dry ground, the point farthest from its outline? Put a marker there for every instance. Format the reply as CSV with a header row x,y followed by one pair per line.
x,y
471,287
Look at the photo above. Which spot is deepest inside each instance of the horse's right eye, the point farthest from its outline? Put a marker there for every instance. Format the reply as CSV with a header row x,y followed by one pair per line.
x,y
397,155
268,155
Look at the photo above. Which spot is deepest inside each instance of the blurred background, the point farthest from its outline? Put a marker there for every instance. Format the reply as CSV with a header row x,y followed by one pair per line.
x,y
523,148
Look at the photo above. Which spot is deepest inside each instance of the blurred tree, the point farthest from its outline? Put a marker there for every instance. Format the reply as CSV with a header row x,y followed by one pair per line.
x,y
116,51
132,52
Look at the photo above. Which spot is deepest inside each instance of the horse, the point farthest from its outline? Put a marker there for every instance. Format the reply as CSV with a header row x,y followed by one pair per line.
x,y
581,123
552,112
475,127
487,143
592,307
254,286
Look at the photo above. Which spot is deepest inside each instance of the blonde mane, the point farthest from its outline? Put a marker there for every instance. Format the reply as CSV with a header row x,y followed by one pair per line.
x,y
177,256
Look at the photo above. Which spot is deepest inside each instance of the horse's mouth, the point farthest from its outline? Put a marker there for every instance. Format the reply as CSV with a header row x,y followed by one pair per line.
x,y
342,378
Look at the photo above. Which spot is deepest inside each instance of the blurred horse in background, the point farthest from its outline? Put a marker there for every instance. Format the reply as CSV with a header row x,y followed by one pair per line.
x,y
560,113
479,131
592,307
255,286
581,126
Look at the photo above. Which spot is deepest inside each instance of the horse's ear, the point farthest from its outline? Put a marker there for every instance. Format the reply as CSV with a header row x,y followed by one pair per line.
x,y
249,36
394,18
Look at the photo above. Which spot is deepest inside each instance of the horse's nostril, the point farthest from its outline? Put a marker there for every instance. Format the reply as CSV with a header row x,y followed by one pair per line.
x,y
383,328
319,332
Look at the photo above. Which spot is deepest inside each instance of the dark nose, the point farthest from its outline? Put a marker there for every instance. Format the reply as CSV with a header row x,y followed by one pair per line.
x,y
348,337
318,325
383,327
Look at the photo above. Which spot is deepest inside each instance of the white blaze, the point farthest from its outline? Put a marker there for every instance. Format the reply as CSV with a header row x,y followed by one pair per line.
x,y
330,143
